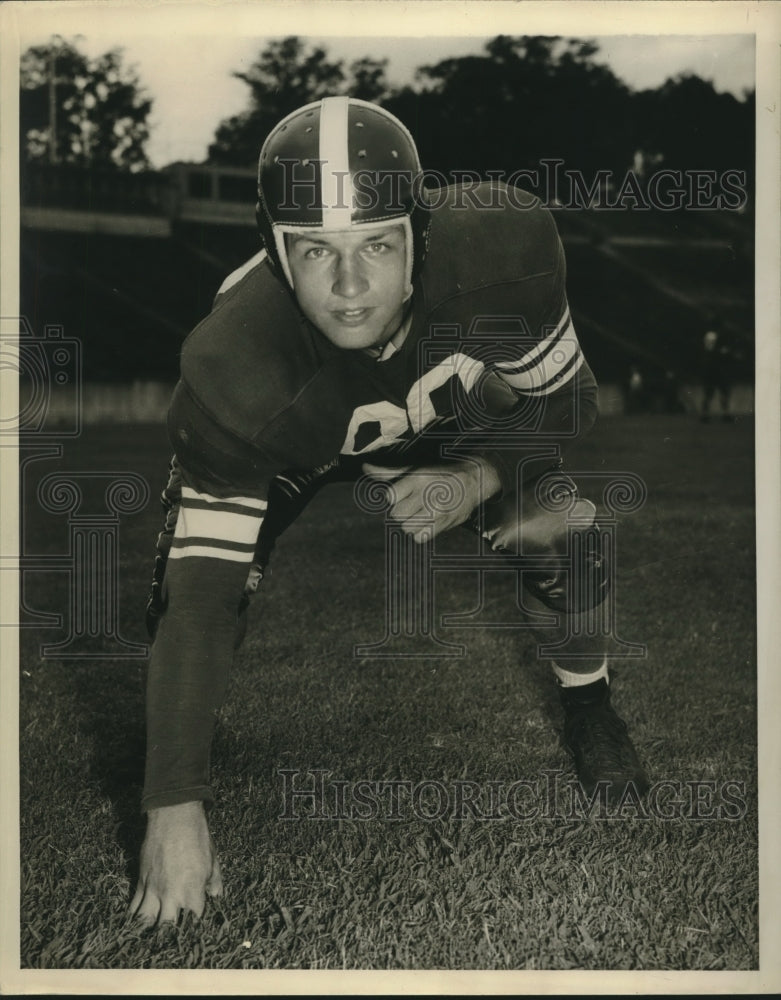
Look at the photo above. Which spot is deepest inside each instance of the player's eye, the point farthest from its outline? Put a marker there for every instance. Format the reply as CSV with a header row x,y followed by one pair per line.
x,y
378,247
315,253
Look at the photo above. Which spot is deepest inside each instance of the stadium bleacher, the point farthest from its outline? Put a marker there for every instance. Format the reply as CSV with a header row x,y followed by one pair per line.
x,y
643,286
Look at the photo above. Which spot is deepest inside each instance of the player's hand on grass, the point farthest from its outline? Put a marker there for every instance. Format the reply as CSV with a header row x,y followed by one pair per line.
x,y
178,865
431,499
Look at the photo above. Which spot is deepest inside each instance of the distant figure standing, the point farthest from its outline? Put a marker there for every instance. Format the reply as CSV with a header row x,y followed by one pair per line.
x,y
671,393
717,365
635,397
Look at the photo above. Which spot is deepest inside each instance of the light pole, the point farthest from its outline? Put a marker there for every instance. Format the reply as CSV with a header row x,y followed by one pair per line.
x,y
56,40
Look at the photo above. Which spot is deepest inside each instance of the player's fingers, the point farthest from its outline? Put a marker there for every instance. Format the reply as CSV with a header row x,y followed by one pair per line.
x,y
401,493
169,911
135,902
214,886
412,499
424,532
408,506
384,472
397,487
149,910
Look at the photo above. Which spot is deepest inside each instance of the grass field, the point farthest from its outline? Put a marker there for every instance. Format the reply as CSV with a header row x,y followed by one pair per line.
x,y
549,892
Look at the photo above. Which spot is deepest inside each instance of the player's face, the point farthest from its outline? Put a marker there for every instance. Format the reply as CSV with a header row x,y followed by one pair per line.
x,y
351,285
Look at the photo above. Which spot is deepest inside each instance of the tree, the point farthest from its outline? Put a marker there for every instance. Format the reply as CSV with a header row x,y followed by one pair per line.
x,y
523,100
689,125
88,112
368,80
285,76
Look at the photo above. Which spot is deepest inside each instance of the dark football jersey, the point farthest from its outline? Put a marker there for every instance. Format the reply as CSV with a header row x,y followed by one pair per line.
x,y
262,390
491,363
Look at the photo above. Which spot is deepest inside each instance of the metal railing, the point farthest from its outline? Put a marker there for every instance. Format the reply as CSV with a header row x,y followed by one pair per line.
x,y
181,191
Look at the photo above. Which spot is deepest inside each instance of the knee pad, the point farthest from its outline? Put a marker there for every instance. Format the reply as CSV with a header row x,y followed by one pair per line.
x,y
556,527
579,577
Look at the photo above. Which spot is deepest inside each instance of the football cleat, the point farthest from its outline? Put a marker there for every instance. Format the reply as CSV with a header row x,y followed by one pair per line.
x,y
599,741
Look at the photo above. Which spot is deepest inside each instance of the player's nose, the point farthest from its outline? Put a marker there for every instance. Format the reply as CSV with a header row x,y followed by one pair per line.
x,y
349,279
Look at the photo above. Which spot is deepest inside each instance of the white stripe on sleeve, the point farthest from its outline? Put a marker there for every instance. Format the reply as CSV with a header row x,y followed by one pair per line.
x,y
240,272
217,527
550,364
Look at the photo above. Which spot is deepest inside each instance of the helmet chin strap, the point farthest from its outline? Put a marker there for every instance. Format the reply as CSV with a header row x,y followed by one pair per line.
x,y
383,351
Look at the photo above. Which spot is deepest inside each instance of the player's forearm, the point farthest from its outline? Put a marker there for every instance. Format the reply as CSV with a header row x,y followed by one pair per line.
x,y
188,677
182,702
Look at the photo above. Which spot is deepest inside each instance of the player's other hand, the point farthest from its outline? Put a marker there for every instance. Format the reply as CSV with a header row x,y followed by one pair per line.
x,y
178,865
431,499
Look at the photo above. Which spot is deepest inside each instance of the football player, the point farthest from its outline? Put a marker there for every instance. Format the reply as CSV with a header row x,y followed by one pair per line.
x,y
378,324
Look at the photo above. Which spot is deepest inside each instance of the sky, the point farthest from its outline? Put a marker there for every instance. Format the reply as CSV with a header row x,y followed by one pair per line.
x,y
187,68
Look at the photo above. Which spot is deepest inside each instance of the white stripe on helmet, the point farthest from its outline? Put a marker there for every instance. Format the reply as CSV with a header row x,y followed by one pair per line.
x,y
336,190
335,164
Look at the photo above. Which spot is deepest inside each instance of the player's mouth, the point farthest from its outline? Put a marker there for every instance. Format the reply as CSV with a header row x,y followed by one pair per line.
x,y
352,317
